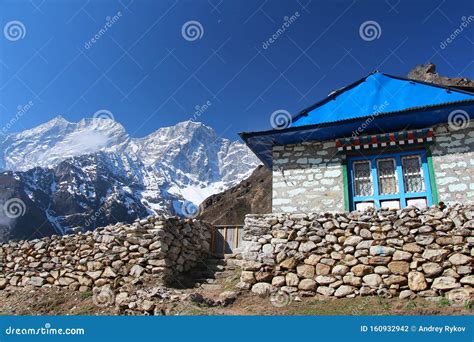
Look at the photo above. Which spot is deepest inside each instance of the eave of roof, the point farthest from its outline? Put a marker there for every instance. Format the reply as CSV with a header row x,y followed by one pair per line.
x,y
381,115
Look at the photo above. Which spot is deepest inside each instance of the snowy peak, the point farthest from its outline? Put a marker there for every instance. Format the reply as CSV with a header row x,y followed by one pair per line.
x,y
188,161
58,139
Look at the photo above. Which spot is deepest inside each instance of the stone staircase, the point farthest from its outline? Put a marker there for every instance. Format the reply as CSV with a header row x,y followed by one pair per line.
x,y
213,273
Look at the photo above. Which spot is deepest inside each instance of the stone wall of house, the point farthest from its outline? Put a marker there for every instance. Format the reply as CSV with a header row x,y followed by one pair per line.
x,y
307,177
156,249
402,253
453,162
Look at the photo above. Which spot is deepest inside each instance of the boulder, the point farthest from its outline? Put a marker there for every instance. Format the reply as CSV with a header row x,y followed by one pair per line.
x,y
395,280
362,270
353,240
416,281
305,271
445,283
278,281
322,269
251,265
431,269
307,285
459,259
401,256
468,280
289,263
435,255
37,281
373,280
399,267
340,270
352,280
263,277
261,289
325,290
382,250
325,279
307,246
292,279
344,290
136,271
248,277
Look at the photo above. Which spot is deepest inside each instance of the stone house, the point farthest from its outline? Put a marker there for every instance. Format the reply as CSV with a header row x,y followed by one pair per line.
x,y
382,142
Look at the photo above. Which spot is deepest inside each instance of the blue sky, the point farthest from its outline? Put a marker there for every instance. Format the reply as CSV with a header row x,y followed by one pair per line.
x,y
143,70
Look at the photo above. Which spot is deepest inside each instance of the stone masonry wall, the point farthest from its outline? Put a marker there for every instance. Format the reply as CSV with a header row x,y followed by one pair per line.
x,y
307,178
402,253
453,162
153,249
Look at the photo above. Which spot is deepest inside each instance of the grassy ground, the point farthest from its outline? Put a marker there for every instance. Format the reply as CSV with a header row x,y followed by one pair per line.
x,y
51,301
54,302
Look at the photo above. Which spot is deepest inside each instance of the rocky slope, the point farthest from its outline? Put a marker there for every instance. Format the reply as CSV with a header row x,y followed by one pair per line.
x,y
63,176
427,73
252,195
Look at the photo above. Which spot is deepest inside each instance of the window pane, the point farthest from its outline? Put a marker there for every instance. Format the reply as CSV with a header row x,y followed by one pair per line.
x,y
387,177
412,174
362,179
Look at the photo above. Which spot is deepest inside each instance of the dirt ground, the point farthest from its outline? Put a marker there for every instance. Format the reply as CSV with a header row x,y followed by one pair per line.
x,y
63,302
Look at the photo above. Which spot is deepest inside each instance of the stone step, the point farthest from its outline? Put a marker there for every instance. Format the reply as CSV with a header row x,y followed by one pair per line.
x,y
211,287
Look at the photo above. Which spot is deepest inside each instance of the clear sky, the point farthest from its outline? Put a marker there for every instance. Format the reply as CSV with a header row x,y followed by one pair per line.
x,y
149,72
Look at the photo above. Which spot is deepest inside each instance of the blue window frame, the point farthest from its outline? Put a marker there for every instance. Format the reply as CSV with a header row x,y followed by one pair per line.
x,y
383,180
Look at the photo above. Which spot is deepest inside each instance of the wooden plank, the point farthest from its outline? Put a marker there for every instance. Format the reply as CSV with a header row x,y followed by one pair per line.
x,y
236,237
225,240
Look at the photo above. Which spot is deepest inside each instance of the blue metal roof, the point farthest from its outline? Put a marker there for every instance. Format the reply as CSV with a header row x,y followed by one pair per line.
x,y
375,94
394,103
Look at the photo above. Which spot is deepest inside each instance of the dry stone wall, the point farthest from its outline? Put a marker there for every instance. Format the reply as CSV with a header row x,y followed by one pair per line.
x,y
155,249
453,162
402,253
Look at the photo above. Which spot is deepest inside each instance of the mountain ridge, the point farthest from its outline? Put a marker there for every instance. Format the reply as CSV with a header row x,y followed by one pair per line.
x,y
65,173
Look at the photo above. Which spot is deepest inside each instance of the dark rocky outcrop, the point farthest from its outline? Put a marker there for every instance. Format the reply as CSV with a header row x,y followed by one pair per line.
x,y
427,73
252,195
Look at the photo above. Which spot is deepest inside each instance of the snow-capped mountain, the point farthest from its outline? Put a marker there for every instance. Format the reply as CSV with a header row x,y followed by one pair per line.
x,y
92,173
58,139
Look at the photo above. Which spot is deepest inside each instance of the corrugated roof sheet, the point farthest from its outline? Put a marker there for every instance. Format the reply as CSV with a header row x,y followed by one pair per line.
x,y
375,94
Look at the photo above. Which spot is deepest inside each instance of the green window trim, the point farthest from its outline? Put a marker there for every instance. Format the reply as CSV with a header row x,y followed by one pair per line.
x,y
346,186
434,189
